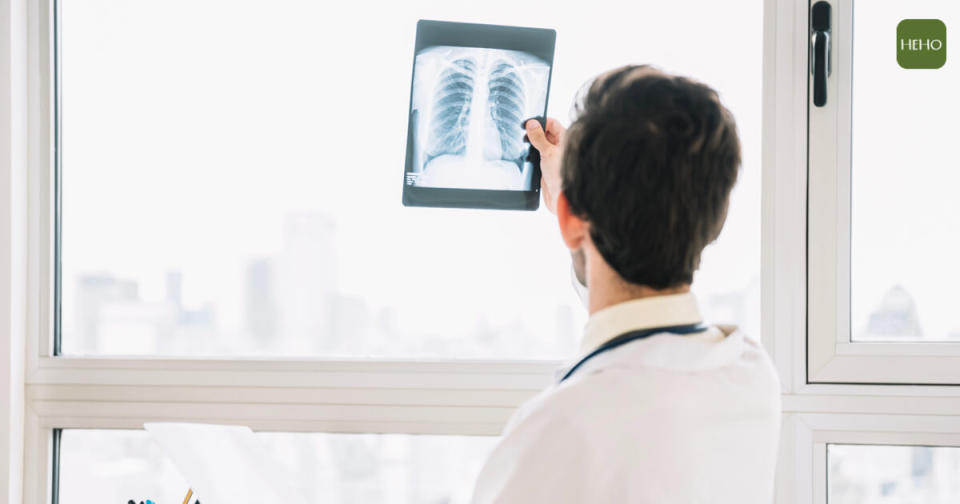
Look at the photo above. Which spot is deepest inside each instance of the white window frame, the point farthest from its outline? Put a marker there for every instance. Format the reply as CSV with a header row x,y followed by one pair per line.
x,y
833,358
803,472
429,397
840,393
13,230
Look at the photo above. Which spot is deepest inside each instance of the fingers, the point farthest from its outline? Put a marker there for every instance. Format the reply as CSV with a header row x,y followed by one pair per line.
x,y
538,138
555,131
546,146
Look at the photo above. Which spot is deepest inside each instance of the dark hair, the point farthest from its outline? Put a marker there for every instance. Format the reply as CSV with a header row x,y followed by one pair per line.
x,y
649,162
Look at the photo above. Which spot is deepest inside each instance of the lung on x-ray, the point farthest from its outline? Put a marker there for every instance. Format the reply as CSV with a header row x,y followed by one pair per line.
x,y
467,108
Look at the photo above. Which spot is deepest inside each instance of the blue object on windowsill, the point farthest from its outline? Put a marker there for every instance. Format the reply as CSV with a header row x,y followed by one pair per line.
x,y
148,501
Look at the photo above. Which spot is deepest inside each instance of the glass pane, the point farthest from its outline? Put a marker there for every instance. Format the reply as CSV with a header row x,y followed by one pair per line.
x,y
98,466
905,210
893,474
232,180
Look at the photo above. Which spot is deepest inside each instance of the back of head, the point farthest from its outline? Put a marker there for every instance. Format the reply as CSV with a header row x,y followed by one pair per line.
x,y
650,162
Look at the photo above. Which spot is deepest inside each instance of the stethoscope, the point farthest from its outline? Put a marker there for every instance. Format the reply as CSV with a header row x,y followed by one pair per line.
x,y
625,338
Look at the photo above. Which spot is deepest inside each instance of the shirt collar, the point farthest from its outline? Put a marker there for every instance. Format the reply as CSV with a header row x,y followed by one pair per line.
x,y
643,313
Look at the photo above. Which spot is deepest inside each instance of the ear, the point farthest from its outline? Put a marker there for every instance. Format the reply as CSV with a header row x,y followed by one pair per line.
x,y
573,229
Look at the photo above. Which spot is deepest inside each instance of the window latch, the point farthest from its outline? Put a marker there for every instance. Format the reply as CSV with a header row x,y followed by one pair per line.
x,y
820,42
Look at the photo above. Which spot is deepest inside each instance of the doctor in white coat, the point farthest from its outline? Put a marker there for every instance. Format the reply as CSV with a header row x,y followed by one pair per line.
x,y
659,406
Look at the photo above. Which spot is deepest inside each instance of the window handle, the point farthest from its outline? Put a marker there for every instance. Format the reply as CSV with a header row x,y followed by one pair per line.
x,y
820,41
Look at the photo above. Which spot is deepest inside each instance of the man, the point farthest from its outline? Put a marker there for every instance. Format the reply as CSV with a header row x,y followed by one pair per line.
x,y
658,408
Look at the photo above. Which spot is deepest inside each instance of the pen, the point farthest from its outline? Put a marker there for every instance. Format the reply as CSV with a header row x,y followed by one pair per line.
x,y
186,500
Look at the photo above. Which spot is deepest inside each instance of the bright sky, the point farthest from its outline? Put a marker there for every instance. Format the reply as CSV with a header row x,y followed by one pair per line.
x,y
906,169
193,128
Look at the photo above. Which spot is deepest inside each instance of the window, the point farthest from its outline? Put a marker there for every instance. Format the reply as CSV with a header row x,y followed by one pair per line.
x,y
231,184
865,473
869,415
883,223
230,246
905,222
217,236
116,465
857,453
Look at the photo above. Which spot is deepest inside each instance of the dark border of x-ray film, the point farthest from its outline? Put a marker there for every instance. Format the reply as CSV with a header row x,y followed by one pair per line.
x,y
540,42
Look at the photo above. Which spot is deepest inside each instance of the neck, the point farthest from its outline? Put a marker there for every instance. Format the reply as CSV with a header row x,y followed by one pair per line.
x,y
607,288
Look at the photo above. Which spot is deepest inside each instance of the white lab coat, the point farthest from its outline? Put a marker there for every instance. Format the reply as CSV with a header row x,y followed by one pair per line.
x,y
665,419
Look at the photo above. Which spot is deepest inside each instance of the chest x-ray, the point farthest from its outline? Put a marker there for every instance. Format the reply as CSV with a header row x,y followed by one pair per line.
x,y
473,86
470,104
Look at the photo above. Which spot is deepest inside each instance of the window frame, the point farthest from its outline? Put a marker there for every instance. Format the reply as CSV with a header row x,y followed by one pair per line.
x,y
13,231
826,405
804,477
833,391
833,357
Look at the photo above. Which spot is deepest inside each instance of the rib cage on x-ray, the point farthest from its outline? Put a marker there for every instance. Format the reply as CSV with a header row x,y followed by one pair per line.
x,y
506,106
466,109
453,97
451,109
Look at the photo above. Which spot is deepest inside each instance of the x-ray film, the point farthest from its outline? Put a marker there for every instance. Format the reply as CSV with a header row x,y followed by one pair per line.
x,y
472,88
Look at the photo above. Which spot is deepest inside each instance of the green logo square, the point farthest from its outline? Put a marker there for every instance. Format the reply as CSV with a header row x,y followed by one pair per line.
x,y
921,43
